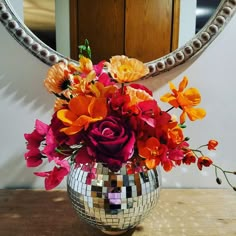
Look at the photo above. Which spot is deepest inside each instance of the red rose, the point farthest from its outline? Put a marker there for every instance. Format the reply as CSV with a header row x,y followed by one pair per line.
x,y
111,142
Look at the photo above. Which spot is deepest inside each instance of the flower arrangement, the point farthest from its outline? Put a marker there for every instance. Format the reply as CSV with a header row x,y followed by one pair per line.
x,y
101,116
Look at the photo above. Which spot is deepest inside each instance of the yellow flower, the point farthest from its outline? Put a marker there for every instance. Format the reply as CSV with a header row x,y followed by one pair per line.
x,y
124,69
185,100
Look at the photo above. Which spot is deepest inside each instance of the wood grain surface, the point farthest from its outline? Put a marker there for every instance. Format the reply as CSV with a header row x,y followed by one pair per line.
x,y
183,212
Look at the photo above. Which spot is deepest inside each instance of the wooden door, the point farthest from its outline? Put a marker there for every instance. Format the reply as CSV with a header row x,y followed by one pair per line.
x,y
143,29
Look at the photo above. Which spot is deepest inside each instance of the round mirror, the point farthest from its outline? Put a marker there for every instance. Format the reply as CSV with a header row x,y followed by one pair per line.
x,y
130,32
159,28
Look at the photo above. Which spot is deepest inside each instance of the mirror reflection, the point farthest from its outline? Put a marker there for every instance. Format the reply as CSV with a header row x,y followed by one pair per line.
x,y
113,27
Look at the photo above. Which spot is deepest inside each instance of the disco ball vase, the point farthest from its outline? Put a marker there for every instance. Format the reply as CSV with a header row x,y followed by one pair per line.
x,y
113,202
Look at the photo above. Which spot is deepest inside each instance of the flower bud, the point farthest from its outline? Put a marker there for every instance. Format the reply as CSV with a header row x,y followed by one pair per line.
x,y
218,180
212,144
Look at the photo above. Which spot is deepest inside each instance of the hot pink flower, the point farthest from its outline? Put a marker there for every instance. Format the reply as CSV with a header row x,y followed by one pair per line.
x,y
53,178
33,157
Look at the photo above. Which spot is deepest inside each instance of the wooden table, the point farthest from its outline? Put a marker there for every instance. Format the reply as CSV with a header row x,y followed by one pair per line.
x,y
183,212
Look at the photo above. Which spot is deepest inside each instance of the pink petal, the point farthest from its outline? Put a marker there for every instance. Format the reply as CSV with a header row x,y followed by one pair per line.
x,y
41,127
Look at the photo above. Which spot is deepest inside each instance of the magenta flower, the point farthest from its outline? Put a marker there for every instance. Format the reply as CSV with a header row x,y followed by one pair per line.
x,y
51,144
53,178
33,157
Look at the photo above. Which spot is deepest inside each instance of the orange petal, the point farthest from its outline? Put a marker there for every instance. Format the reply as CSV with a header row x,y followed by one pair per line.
x,y
152,163
182,117
193,95
152,143
167,97
98,108
183,84
79,105
66,116
84,121
71,130
167,165
144,153
195,113
172,88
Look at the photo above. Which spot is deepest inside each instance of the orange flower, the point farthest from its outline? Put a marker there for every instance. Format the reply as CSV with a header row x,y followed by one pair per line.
x,y
203,161
189,158
152,151
185,100
137,95
57,79
124,69
176,135
212,144
82,111
85,65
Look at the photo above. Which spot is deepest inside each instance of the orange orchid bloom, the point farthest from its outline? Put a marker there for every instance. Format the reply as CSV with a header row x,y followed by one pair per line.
x,y
152,151
203,161
186,100
212,144
82,111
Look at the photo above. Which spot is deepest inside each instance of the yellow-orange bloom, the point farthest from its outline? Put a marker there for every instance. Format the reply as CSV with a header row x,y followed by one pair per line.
x,y
85,65
124,69
57,80
176,135
186,100
82,111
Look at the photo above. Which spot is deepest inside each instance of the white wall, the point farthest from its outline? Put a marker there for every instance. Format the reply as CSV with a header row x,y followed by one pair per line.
x,y
187,21
62,27
17,5
23,99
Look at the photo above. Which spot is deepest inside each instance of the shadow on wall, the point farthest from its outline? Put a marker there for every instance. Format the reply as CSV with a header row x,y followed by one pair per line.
x,y
16,175
20,78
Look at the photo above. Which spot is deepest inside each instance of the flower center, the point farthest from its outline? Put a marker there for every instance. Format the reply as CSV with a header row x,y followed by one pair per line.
x,y
125,68
107,132
64,84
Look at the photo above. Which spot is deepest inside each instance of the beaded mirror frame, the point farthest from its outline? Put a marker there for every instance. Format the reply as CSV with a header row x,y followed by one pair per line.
x,y
191,49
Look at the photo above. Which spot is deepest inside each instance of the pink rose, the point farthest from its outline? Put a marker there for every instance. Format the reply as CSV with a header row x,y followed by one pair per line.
x,y
111,141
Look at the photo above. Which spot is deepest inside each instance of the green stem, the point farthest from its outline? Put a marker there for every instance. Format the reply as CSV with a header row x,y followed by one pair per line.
x,y
61,152
216,168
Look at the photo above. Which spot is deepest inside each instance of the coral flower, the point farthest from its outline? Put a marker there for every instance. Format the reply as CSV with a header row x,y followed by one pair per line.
x,y
189,158
82,111
212,144
176,135
203,161
57,79
124,69
152,150
186,100
137,95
